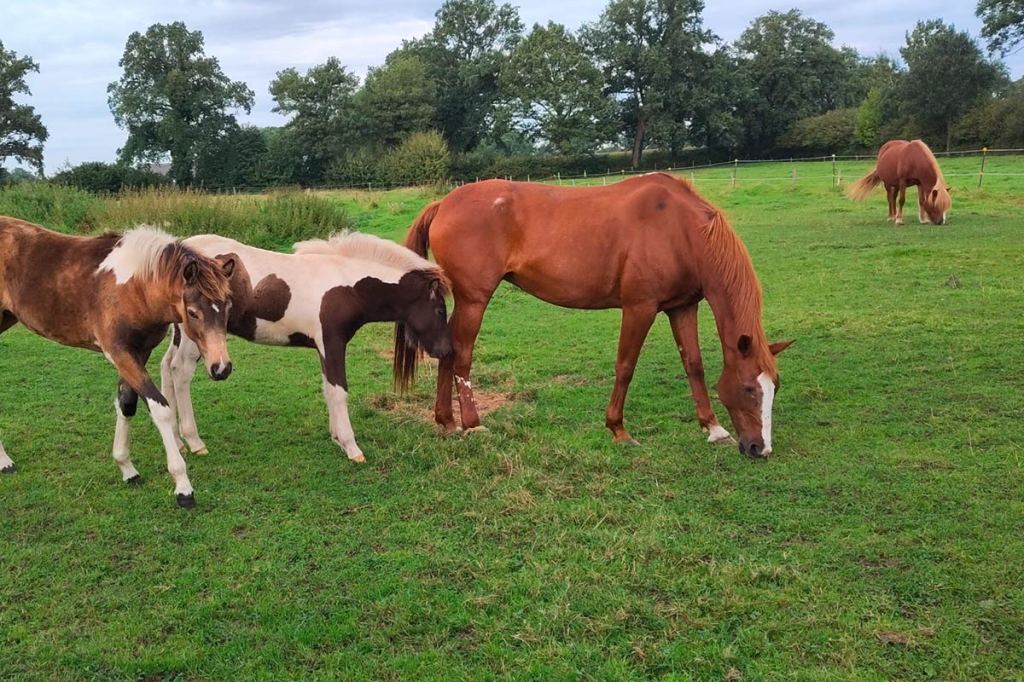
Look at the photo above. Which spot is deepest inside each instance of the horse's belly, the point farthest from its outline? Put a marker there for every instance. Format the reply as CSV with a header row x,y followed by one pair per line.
x,y
567,291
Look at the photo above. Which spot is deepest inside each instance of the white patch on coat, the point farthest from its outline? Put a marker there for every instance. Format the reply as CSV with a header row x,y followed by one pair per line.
x,y
122,442
341,425
163,418
717,434
367,247
767,399
5,461
136,254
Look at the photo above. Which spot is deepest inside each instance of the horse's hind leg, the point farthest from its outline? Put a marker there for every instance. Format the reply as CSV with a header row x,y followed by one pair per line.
x,y
684,328
465,325
126,404
890,197
7,320
636,322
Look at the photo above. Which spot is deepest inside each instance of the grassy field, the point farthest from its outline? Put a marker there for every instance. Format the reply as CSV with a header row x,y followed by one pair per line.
x,y
882,540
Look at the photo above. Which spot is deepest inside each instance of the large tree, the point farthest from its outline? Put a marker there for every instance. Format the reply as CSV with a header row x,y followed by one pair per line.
x,y
653,59
947,74
795,72
1003,23
398,99
464,53
22,132
554,91
173,98
325,119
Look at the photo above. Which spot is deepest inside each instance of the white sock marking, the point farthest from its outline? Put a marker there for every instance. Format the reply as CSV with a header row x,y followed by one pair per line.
x,y
717,434
767,399
341,426
5,461
163,418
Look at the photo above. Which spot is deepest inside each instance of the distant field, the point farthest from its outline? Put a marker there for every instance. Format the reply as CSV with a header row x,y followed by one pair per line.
x,y
882,540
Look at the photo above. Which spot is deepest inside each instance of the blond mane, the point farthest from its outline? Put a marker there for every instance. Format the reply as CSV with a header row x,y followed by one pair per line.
x,y
366,247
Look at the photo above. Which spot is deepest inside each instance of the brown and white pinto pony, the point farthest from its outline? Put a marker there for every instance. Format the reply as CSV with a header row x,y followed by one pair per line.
x,y
902,164
319,297
646,245
116,295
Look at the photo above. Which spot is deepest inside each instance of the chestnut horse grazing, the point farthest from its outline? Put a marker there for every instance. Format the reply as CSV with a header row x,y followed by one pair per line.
x,y
117,294
319,297
902,164
646,245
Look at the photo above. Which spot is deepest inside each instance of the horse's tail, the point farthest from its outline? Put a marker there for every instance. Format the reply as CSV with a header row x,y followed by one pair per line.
x,y
860,190
407,350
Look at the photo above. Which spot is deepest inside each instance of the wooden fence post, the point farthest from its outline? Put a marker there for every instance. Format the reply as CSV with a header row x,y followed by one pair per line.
x,y
834,184
735,164
981,173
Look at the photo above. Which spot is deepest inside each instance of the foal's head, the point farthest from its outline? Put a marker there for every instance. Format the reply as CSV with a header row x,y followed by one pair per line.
x,y
204,305
423,325
747,388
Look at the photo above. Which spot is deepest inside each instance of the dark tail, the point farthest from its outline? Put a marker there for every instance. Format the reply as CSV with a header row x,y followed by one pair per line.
x,y
407,351
860,190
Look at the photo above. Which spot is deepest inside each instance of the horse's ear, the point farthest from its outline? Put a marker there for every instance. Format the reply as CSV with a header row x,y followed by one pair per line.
x,y
191,272
744,345
435,289
227,265
780,346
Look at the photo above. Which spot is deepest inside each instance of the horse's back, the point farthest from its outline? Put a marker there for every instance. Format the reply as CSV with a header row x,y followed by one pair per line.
x,y
573,246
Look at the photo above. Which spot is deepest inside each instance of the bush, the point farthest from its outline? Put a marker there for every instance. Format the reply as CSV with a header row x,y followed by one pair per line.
x,y
108,178
359,168
830,133
422,158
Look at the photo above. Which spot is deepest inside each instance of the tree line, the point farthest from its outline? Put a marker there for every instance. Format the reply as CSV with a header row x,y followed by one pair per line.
x,y
481,95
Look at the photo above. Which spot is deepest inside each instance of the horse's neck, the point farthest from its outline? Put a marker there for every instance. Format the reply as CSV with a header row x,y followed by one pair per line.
x,y
736,307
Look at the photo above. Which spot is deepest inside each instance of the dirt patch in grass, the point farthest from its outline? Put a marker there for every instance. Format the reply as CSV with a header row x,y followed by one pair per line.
x,y
422,409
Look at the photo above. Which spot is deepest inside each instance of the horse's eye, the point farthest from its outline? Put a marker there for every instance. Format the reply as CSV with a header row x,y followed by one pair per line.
x,y
193,313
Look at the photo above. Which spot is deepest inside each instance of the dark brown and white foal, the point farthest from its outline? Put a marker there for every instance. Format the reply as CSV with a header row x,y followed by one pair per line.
x,y
319,297
117,295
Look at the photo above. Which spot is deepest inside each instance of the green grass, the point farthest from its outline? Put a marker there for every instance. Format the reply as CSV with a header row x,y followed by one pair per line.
x,y
882,540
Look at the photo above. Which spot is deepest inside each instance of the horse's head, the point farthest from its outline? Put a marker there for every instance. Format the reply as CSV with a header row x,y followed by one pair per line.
x,y
747,389
937,204
204,308
423,324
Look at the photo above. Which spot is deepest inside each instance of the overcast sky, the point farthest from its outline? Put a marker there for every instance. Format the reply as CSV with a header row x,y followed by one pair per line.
x,y
77,43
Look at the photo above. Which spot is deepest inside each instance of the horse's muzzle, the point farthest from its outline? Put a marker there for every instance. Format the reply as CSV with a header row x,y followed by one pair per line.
x,y
753,447
220,371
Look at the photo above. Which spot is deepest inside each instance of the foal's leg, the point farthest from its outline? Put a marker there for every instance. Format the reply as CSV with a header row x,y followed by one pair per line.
x,y
7,320
899,206
684,328
636,322
183,370
332,362
133,372
126,404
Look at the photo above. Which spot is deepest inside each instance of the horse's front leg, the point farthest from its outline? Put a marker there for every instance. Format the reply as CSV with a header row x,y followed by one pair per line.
x,y
636,322
335,383
684,329
133,372
7,320
125,405
182,371
900,201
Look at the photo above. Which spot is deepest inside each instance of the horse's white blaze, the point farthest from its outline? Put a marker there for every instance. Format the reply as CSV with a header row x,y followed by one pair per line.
x,y
137,253
717,434
767,399
341,426
215,308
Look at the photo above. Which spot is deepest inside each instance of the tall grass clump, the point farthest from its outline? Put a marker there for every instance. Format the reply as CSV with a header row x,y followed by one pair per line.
x,y
61,208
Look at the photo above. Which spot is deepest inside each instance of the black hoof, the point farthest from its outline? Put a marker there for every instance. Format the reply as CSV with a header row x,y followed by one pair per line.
x,y
9,469
134,480
186,501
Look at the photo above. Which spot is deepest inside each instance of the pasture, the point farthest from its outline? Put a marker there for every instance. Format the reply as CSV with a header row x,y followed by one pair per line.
x,y
881,540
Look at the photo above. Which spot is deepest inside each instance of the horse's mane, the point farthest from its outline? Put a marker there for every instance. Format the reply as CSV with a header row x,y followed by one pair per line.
x,y
942,200
149,253
731,261
366,247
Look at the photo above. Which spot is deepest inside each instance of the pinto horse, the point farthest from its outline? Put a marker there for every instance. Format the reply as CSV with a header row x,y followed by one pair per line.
x,y
902,164
318,298
117,294
646,245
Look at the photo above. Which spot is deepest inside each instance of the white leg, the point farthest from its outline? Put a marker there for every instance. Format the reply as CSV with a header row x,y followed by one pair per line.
x,y
122,442
183,369
167,388
6,463
161,415
341,427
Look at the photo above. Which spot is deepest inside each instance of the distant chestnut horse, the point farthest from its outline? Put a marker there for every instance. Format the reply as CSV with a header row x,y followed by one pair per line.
x,y
902,164
117,294
646,245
